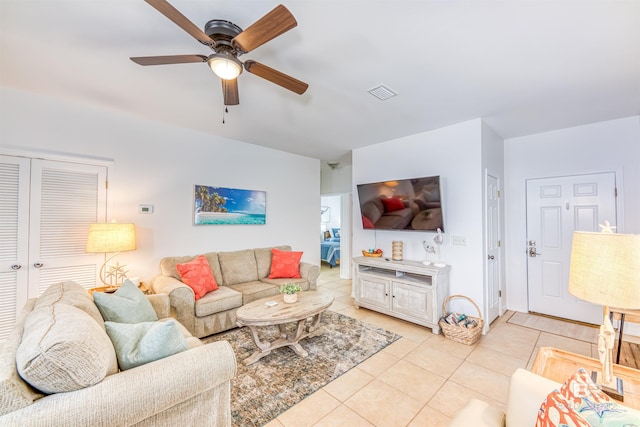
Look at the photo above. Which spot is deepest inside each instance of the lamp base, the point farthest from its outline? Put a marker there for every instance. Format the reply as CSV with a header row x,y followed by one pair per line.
x,y
613,389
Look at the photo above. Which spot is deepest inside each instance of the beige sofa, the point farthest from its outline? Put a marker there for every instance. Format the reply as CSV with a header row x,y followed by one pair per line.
x,y
189,388
242,277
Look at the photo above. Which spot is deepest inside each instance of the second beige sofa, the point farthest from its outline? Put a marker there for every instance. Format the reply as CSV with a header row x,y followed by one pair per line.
x,y
242,276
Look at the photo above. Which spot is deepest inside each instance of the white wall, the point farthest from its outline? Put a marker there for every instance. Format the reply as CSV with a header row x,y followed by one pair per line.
x,y
611,146
454,153
159,164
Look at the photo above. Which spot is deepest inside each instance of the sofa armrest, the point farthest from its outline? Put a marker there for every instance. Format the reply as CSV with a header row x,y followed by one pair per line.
x,y
310,272
138,394
527,391
161,304
182,300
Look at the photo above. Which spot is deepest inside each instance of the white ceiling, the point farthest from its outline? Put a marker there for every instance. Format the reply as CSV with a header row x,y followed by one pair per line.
x,y
523,66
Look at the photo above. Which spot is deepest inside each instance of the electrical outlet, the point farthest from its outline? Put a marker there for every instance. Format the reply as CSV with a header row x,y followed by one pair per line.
x,y
460,240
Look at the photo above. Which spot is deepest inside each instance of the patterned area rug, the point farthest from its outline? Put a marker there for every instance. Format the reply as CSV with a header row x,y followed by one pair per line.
x,y
262,391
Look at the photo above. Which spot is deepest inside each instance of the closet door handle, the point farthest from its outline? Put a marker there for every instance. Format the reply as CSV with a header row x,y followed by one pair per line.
x,y
38,264
16,266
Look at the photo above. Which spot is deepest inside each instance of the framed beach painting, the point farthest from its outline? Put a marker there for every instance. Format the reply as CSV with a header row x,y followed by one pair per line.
x,y
219,205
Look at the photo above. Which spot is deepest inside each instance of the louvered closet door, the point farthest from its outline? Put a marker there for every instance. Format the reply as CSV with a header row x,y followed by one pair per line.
x,y
65,199
14,236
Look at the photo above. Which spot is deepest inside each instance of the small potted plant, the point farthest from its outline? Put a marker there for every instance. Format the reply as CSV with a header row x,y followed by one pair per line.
x,y
289,292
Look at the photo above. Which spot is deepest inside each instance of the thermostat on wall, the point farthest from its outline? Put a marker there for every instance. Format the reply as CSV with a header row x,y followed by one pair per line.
x,y
145,209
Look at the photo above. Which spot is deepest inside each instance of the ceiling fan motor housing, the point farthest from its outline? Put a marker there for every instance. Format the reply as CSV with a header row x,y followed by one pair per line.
x,y
222,32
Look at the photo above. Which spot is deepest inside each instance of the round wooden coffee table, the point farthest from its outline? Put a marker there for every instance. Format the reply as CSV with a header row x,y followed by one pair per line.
x,y
259,313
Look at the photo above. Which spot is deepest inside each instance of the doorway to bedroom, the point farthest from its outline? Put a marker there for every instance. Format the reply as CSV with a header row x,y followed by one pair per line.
x,y
335,232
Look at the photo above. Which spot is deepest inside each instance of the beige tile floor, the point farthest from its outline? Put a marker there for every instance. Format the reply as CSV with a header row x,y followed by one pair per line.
x,y
423,379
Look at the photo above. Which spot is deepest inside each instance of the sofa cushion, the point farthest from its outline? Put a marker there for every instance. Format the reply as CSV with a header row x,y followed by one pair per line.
x,y
238,267
263,259
168,265
392,204
252,291
197,275
73,294
223,299
285,264
64,349
126,305
556,411
372,211
140,343
366,222
15,393
597,408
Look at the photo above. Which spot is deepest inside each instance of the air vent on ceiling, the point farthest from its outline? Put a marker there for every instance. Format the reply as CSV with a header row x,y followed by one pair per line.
x,y
382,92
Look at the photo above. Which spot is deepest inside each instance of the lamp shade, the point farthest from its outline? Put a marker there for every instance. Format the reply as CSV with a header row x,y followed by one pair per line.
x,y
111,237
605,269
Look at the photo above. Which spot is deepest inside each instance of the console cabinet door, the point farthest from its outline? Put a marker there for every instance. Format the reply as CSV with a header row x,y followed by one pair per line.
x,y
412,300
374,291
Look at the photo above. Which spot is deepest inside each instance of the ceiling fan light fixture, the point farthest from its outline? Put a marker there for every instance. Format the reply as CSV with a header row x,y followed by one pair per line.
x,y
225,66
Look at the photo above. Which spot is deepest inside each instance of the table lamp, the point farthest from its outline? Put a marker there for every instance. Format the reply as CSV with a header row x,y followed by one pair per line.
x,y
605,270
111,237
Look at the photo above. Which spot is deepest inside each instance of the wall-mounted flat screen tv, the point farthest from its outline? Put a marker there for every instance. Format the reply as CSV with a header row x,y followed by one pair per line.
x,y
404,204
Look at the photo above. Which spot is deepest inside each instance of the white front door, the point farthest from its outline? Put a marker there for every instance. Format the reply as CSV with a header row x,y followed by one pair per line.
x,y
556,207
492,197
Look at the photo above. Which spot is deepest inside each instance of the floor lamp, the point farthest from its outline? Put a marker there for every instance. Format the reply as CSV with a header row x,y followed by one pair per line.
x,y
111,238
605,270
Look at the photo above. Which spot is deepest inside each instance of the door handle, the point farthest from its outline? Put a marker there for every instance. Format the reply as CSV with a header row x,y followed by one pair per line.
x,y
16,266
491,257
532,252
38,264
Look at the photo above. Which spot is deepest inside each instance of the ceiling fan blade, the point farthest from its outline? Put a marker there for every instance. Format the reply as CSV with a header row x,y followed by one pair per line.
x,y
230,92
181,21
276,77
171,59
270,26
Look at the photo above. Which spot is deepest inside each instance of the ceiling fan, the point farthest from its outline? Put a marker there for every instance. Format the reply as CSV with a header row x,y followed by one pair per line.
x,y
228,42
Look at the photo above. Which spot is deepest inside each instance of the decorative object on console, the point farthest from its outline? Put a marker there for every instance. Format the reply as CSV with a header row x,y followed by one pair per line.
x,y
604,270
113,238
372,252
219,205
397,250
439,240
429,250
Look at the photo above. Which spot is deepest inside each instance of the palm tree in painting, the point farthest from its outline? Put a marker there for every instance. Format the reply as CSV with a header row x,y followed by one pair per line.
x,y
218,202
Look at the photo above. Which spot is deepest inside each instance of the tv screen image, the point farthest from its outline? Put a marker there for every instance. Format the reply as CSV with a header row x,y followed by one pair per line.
x,y
404,204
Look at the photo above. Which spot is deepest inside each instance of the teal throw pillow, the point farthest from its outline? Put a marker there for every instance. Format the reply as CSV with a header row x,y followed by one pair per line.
x,y
126,305
140,343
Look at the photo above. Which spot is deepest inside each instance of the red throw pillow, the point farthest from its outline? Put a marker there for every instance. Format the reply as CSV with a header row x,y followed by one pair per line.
x,y
392,204
197,275
366,222
285,264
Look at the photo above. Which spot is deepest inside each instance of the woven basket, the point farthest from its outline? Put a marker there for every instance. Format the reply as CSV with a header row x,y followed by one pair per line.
x,y
459,333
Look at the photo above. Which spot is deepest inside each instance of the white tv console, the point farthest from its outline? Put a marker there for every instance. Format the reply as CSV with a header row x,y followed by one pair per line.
x,y
407,290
